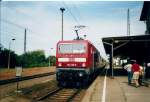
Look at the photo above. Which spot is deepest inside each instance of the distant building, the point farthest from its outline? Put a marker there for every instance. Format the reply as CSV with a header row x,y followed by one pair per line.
x,y
145,16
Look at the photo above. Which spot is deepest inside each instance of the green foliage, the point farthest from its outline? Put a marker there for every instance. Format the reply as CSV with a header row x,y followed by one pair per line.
x,y
4,58
52,60
30,59
35,59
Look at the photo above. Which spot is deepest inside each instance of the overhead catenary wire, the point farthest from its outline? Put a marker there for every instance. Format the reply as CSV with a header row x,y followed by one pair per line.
x,y
14,26
78,12
11,23
21,27
73,15
24,14
10,33
75,19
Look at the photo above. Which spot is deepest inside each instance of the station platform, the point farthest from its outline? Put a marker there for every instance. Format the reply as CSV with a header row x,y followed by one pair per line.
x,y
107,89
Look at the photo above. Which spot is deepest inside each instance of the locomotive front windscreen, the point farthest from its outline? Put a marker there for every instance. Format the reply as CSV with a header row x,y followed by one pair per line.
x,y
72,48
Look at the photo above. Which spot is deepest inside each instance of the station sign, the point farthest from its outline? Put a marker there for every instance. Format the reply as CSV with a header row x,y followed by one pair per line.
x,y
18,71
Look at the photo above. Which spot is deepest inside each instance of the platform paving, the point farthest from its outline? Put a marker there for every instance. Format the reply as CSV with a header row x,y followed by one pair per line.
x,y
117,90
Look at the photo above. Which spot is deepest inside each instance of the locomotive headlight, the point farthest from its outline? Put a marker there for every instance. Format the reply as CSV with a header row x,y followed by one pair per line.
x,y
59,64
80,74
80,59
83,64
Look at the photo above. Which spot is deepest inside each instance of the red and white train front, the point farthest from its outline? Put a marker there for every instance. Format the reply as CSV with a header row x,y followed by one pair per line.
x,y
75,61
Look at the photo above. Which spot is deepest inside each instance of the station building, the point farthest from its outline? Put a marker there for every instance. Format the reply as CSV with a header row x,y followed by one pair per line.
x,y
145,15
132,47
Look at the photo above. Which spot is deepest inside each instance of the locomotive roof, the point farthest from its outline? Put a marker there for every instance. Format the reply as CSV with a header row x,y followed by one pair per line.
x,y
69,41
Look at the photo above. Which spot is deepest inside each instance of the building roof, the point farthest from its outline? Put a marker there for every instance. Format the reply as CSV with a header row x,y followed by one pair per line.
x,y
135,47
145,10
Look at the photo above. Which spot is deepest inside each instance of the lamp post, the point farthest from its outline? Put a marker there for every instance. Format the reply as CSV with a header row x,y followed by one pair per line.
x,y
111,64
49,57
62,11
9,52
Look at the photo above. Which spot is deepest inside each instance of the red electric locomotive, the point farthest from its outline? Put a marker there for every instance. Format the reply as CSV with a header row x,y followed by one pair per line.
x,y
76,61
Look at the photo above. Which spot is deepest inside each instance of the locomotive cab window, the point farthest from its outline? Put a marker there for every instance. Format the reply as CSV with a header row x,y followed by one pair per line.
x,y
72,48
65,48
78,48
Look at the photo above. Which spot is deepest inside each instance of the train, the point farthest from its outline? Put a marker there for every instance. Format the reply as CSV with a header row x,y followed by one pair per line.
x,y
76,61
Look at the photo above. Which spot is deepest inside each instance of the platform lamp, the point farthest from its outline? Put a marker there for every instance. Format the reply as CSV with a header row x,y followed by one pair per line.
x,y
9,52
62,11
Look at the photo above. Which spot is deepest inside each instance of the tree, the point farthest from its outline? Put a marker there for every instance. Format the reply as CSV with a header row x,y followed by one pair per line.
x,y
4,53
34,59
29,59
52,60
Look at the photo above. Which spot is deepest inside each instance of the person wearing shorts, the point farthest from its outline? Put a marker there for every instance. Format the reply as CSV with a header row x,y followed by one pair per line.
x,y
135,75
141,74
136,72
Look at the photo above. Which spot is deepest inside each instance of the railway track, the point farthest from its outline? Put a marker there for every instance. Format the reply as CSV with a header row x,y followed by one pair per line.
x,y
58,94
65,94
62,95
13,80
45,90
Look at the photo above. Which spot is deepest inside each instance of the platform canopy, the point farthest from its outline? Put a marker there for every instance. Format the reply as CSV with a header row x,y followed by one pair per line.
x,y
145,11
133,47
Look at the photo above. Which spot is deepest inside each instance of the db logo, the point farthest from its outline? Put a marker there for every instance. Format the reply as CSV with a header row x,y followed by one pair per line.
x,y
71,59
71,65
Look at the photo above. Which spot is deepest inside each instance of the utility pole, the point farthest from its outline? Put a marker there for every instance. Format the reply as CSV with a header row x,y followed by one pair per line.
x,y
25,41
62,11
9,52
128,22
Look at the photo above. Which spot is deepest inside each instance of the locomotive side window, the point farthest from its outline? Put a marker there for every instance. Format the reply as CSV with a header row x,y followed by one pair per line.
x,y
72,48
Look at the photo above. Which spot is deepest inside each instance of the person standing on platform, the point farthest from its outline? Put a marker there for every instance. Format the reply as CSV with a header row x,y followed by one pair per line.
x,y
128,68
136,71
141,75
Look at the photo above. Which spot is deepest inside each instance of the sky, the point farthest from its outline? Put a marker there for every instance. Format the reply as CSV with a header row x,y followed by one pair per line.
x,y
43,22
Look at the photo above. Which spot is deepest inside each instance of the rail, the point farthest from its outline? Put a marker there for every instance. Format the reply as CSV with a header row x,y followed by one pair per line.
x,y
63,94
13,80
